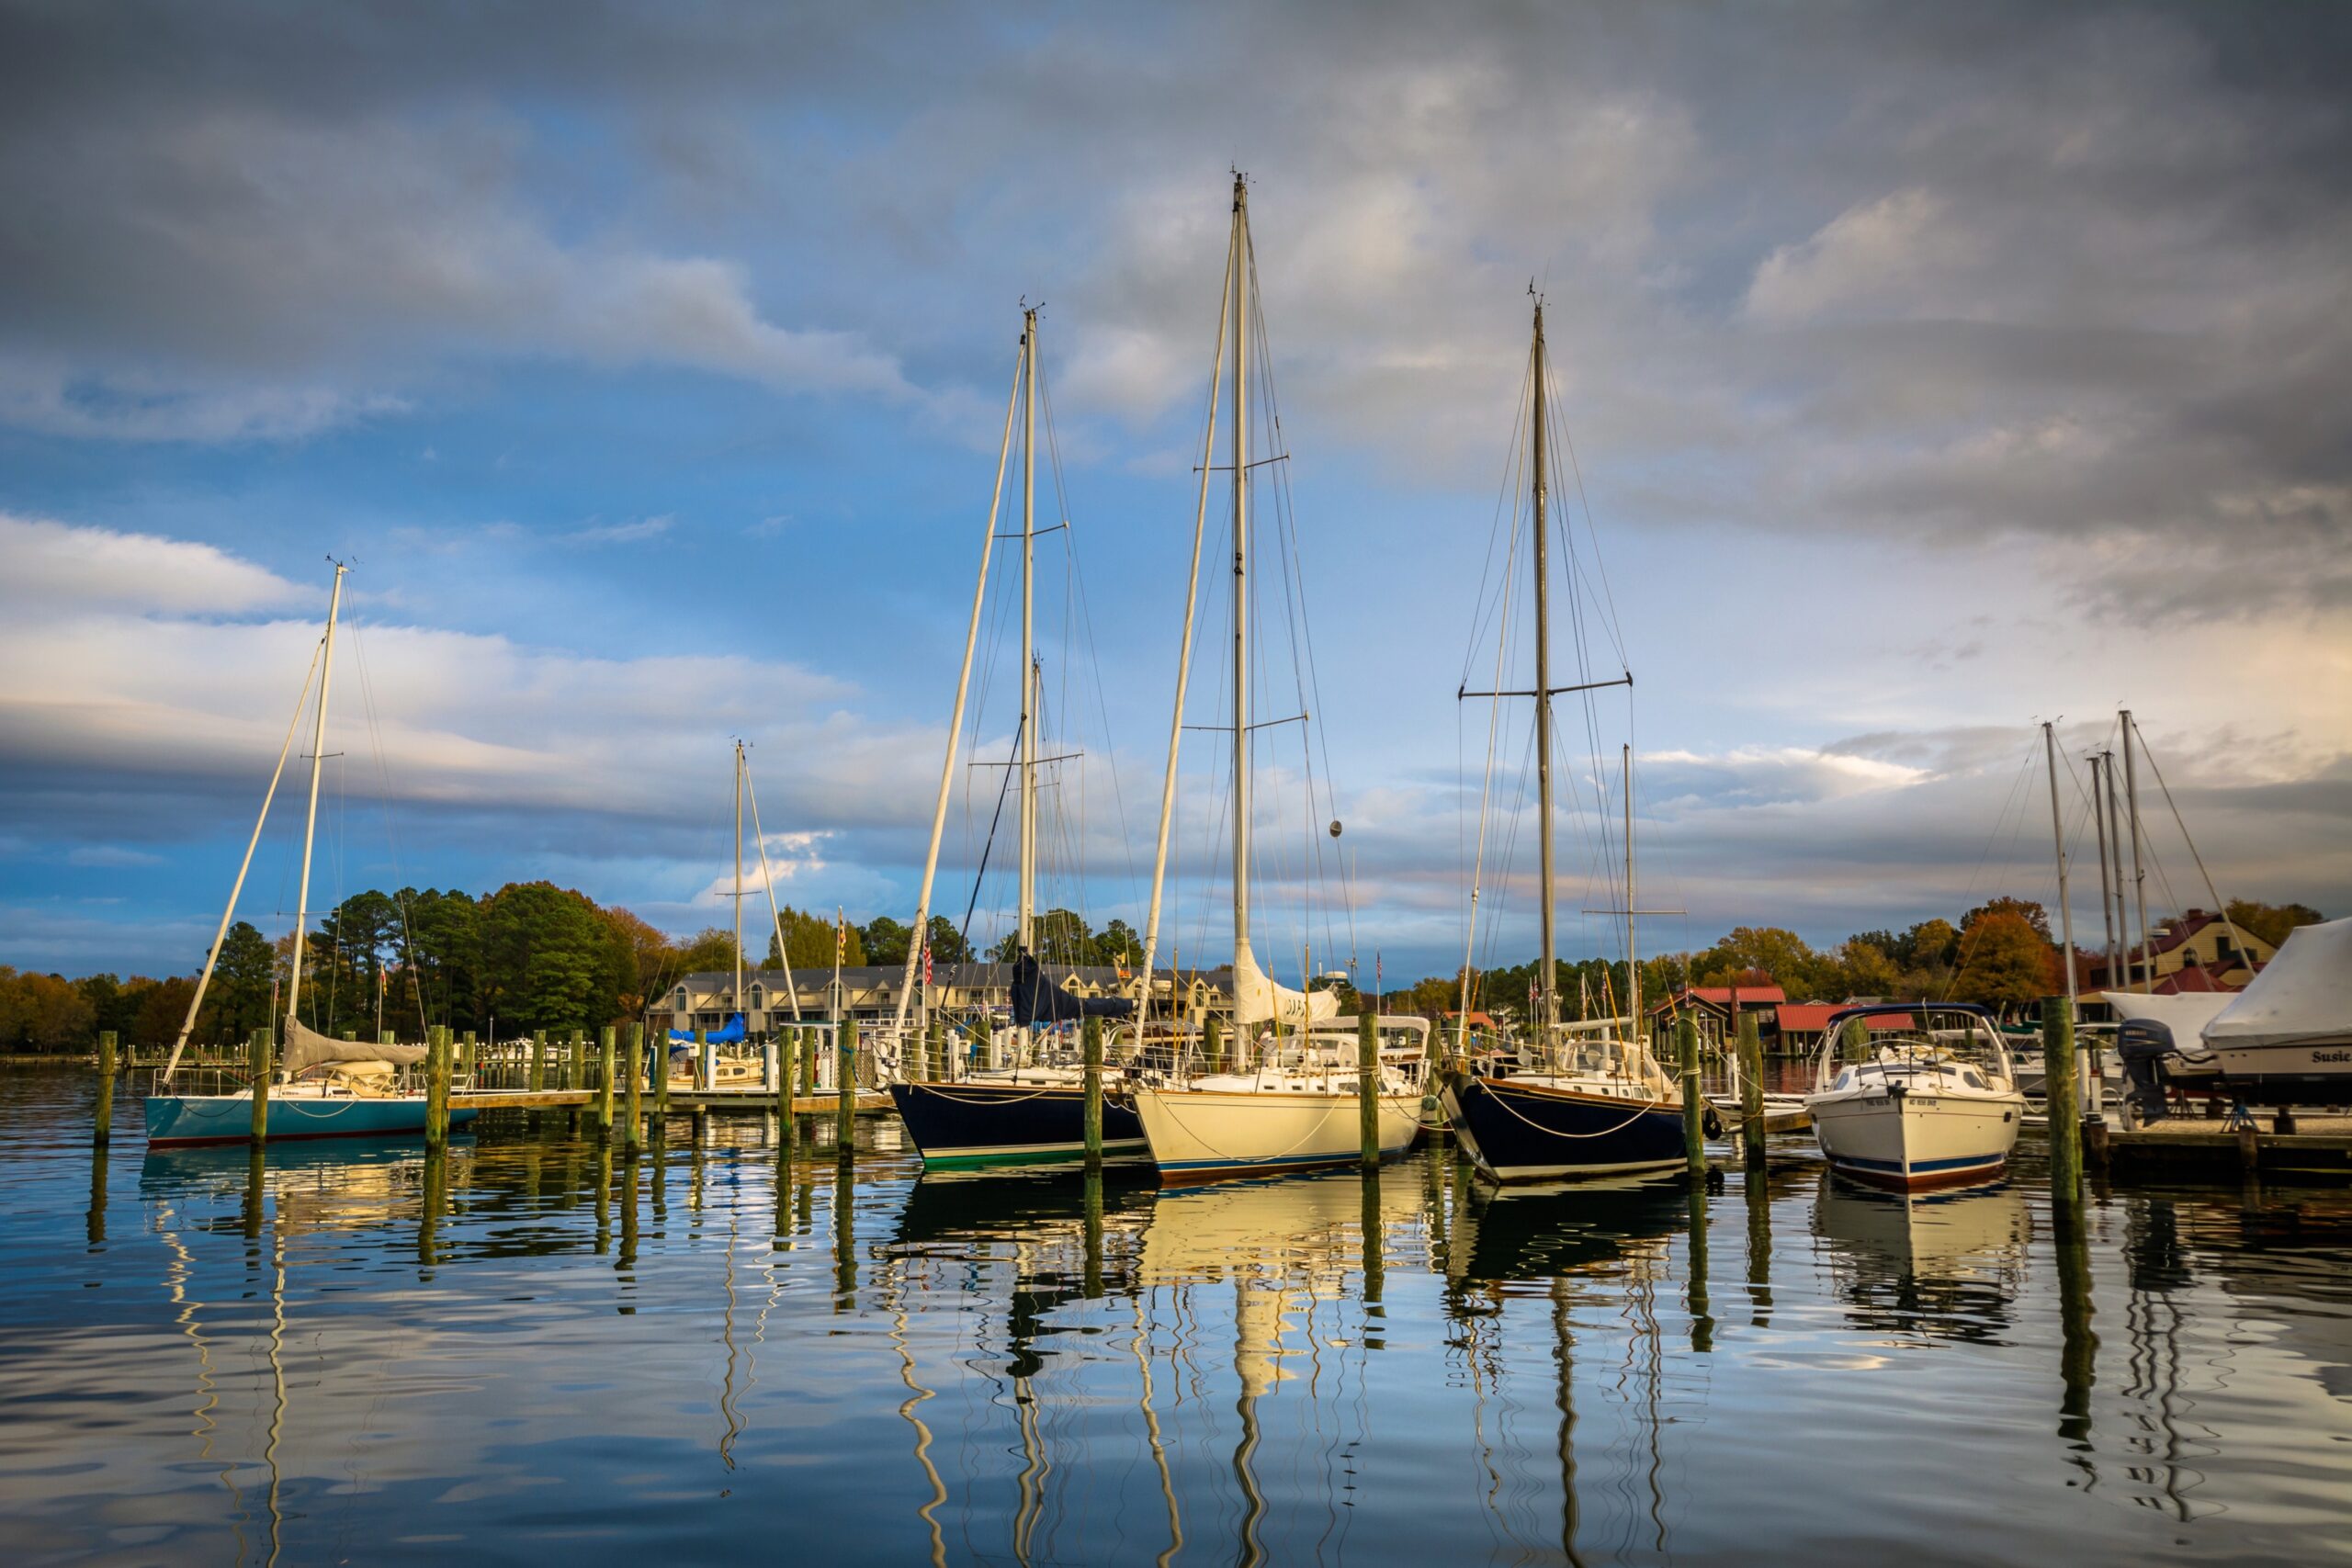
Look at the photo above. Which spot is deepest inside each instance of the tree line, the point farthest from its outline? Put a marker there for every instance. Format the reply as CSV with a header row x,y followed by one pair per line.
x,y
532,957
2001,952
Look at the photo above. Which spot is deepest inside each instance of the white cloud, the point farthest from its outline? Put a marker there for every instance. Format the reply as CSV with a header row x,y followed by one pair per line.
x,y
45,564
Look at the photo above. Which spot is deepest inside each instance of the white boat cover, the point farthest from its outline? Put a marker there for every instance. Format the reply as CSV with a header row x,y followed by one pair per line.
x,y
2302,996
307,1048
2185,1016
1257,996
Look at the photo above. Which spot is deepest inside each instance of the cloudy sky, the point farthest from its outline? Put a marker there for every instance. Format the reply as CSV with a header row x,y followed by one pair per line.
x,y
1932,371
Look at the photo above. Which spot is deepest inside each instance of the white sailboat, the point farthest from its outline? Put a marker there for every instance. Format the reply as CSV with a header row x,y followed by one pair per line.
x,y
321,1088
1292,1102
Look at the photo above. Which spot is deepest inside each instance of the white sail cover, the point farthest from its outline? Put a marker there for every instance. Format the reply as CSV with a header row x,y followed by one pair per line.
x,y
2185,1015
1257,996
307,1048
2301,997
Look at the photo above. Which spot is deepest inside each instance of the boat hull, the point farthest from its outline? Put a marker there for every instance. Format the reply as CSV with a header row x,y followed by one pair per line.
x,y
1918,1141
1213,1134
192,1120
2311,1074
1516,1133
959,1125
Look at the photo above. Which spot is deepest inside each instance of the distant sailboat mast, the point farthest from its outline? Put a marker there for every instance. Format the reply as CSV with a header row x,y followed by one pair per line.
x,y
310,822
1547,1006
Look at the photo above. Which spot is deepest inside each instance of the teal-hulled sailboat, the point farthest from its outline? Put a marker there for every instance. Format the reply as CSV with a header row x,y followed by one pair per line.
x,y
322,1088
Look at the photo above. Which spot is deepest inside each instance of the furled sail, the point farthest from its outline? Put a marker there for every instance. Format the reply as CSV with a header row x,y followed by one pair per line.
x,y
1036,999
307,1048
1258,997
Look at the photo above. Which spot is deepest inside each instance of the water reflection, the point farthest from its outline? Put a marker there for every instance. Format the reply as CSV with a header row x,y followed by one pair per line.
x,y
1941,1265
521,1348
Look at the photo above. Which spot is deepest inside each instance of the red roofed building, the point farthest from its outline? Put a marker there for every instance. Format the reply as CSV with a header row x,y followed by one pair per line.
x,y
1711,1006
1799,1025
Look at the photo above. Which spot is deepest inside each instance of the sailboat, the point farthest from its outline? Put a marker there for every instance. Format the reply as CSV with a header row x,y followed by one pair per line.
x,y
1034,1111
1575,1099
322,1088
1293,1104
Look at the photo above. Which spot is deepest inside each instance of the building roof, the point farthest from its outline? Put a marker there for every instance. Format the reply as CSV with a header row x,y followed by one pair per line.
x,y
1719,996
2195,978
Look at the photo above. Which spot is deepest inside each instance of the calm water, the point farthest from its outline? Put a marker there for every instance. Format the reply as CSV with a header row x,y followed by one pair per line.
x,y
343,1354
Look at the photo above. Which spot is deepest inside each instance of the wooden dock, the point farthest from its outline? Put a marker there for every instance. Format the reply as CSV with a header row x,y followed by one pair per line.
x,y
2320,1146
870,1102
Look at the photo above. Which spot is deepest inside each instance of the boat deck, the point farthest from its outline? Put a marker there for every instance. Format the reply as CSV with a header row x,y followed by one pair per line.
x,y
869,1102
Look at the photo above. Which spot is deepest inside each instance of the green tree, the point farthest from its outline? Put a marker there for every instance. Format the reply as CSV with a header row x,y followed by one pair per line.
x,y
43,1012
710,950
1118,944
1762,955
647,959
809,942
1931,944
2271,922
238,1001
1863,969
443,957
886,940
948,943
1062,936
552,961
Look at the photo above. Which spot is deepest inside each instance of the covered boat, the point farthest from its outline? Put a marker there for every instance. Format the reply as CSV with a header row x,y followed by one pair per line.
x,y
2287,1038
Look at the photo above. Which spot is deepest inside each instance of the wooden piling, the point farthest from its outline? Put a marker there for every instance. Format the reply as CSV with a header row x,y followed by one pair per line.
x,y
469,1056
436,1088
538,1078
937,1054
845,1088
630,1133
2058,1095
984,1044
809,1062
606,1039
260,1053
786,1041
1213,1046
104,1132
1090,1037
658,1066
1368,1089
1751,1090
1694,1130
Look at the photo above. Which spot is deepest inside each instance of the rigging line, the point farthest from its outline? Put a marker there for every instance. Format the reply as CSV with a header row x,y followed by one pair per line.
x,y
775,916
965,931
1960,958
1085,615
1599,563
2179,822
1467,989
1502,526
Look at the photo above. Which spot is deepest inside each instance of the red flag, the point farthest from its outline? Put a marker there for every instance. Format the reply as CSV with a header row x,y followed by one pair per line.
x,y
926,963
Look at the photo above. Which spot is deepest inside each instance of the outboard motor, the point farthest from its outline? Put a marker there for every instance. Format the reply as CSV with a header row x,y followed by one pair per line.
x,y
2142,1043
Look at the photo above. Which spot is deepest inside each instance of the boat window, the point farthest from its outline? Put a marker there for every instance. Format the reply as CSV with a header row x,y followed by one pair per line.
x,y
1844,1080
1969,1077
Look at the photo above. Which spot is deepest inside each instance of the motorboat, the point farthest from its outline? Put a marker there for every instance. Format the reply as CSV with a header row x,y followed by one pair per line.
x,y
1934,1103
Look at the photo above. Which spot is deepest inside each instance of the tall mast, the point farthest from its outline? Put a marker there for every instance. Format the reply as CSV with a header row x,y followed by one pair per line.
x,y
2139,872
955,721
1633,958
310,822
2119,972
1241,955
1184,649
1547,998
1028,894
2058,840
2098,815
738,888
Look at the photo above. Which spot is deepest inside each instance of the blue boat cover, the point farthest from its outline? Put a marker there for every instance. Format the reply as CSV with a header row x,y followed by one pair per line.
x,y
728,1033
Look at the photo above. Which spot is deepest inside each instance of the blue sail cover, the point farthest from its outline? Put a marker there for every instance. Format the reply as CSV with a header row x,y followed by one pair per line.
x,y
728,1033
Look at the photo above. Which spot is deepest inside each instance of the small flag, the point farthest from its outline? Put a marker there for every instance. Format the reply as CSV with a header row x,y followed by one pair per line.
x,y
840,938
926,963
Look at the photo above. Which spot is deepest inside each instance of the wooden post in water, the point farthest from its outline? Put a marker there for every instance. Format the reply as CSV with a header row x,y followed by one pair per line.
x,y
538,1078
630,1126
938,1051
1695,1141
1751,1092
658,1066
260,1050
1368,1087
438,1054
469,1055
2058,1093
845,1088
104,1134
1213,1046
984,1043
786,1041
809,1062
606,1039
1091,1036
